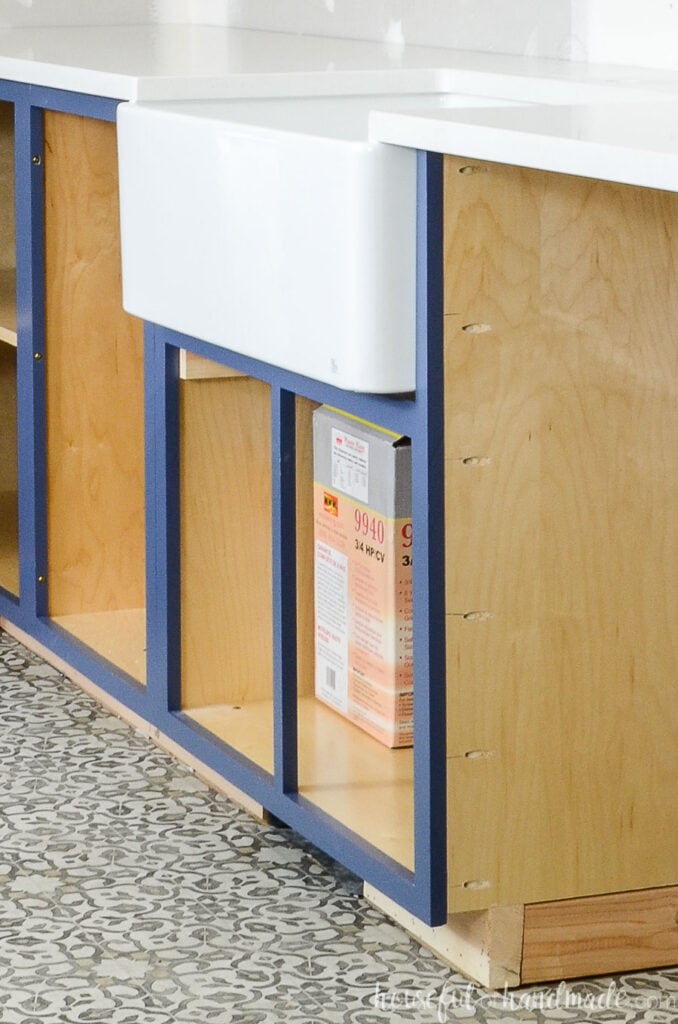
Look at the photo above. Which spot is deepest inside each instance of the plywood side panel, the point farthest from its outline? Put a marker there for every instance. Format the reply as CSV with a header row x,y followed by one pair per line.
x,y
9,511
94,374
8,419
7,231
8,333
9,537
226,585
562,546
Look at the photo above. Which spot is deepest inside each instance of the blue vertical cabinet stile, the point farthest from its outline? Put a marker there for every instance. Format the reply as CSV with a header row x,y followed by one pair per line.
x,y
283,436
420,416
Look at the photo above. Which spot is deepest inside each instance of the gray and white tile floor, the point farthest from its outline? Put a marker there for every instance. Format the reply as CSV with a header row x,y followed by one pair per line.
x,y
132,894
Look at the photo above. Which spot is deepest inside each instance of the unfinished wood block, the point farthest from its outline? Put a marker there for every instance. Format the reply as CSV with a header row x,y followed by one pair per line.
x,y
483,945
626,931
193,367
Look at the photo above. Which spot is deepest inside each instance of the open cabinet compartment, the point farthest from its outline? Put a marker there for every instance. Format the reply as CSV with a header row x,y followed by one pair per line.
x,y
9,512
344,771
94,401
226,609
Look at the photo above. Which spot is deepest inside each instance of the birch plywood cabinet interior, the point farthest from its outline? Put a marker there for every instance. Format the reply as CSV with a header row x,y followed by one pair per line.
x,y
95,442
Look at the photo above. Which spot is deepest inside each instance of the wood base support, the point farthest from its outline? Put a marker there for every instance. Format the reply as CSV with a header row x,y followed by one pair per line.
x,y
627,931
483,945
510,946
207,774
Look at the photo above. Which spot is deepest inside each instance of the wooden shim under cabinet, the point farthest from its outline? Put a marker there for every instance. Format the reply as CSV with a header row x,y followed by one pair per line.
x,y
193,367
628,931
561,364
517,945
208,775
483,945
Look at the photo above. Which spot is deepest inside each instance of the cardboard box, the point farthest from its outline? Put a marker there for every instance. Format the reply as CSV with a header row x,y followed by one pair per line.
x,y
363,574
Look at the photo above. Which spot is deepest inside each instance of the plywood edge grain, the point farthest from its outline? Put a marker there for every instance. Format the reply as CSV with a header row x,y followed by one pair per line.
x,y
210,777
616,932
193,367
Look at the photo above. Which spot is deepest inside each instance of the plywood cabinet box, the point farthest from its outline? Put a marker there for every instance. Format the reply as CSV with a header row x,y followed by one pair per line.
x,y
544,448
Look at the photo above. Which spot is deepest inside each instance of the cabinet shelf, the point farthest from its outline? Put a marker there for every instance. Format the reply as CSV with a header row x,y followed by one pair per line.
x,y
342,770
119,636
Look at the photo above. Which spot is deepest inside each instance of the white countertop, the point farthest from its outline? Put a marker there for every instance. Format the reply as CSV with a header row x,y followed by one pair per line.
x,y
166,62
633,142
593,120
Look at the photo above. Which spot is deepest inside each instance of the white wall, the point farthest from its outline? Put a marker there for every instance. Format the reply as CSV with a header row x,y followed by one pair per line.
x,y
26,13
640,32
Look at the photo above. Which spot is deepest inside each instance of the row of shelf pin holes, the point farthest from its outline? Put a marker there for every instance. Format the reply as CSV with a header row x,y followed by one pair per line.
x,y
475,884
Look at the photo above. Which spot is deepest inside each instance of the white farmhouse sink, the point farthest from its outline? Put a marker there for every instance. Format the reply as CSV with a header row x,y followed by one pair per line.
x,y
277,229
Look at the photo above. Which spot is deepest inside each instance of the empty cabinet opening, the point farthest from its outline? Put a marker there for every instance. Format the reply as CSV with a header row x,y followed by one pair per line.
x,y
9,518
94,395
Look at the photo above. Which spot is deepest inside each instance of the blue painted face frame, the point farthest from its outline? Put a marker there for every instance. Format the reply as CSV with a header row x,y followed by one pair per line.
x,y
423,891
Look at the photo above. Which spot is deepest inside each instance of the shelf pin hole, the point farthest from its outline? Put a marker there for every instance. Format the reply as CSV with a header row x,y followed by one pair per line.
x,y
476,328
476,460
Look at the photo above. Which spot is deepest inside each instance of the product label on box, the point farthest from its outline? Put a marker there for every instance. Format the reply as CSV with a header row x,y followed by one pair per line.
x,y
363,586
331,602
350,464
